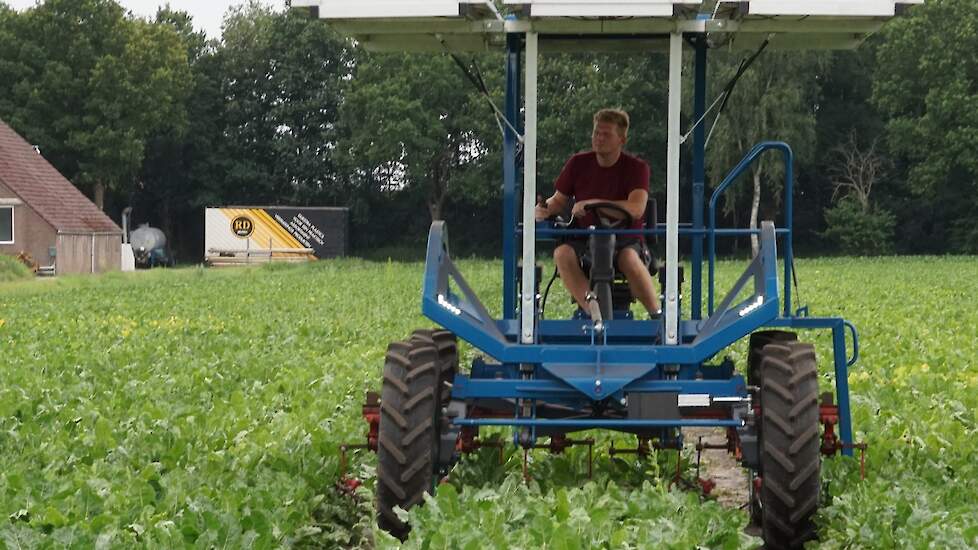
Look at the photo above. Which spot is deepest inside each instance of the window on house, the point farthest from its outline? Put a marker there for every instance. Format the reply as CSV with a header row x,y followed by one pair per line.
x,y
6,225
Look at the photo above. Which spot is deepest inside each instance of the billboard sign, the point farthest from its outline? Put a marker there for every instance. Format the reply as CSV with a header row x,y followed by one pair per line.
x,y
279,231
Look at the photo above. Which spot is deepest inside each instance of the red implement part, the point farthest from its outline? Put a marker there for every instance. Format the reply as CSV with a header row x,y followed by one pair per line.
x,y
733,444
706,486
703,486
467,442
559,443
349,485
642,450
371,413
828,414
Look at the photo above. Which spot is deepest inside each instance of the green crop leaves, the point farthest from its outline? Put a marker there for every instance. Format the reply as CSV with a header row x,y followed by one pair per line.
x,y
198,408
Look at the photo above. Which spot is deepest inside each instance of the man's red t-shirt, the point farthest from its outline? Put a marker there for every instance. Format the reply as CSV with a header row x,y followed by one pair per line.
x,y
583,178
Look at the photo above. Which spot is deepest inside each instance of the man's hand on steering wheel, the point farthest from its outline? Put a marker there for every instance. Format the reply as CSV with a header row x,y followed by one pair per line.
x,y
608,214
541,213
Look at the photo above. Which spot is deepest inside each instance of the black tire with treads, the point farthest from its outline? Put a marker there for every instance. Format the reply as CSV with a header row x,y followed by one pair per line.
x,y
447,345
757,342
408,430
790,459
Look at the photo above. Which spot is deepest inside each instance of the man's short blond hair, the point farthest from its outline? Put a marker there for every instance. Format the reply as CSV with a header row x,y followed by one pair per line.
x,y
617,117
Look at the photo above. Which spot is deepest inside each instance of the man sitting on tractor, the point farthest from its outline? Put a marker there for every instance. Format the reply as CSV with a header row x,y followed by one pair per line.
x,y
606,174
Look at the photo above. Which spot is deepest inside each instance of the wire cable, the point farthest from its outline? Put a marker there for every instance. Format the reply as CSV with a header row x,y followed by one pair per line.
x,y
475,77
724,97
546,292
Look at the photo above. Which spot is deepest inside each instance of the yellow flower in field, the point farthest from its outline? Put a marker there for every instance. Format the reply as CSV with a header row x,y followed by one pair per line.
x,y
899,375
860,376
2,322
925,367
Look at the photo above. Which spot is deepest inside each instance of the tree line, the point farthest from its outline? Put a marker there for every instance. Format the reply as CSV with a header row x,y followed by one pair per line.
x,y
283,111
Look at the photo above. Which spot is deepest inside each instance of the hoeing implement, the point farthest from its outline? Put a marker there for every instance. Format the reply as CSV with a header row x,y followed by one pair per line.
x,y
604,369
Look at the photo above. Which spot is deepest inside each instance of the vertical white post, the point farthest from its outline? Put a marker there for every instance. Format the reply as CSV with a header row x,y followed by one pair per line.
x,y
528,291
672,190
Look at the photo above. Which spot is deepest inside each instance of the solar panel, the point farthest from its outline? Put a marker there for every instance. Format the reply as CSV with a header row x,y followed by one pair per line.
x,y
577,25
370,9
591,8
826,8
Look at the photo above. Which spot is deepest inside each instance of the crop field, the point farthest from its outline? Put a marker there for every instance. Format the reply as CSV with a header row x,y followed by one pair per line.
x,y
204,409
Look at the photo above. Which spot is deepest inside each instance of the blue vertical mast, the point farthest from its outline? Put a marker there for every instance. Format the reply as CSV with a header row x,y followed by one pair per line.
x,y
699,175
510,174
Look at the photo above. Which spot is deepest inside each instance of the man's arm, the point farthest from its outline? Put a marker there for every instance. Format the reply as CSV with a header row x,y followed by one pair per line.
x,y
635,205
552,206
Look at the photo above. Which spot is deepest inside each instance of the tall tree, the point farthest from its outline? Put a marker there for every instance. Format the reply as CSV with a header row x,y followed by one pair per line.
x,y
181,155
775,100
927,84
416,126
282,77
89,84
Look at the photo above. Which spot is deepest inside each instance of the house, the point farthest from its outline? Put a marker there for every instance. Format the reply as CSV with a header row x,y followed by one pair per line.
x,y
43,214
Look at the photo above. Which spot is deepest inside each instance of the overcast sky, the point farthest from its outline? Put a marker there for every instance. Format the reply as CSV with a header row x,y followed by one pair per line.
x,y
207,14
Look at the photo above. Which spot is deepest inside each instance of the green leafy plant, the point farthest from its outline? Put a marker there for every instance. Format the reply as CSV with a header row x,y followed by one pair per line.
x,y
12,270
205,408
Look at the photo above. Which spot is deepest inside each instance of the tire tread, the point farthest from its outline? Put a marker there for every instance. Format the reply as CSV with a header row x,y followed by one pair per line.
x,y
790,456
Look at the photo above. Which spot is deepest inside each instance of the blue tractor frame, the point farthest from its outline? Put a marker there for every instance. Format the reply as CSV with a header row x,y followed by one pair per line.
x,y
572,365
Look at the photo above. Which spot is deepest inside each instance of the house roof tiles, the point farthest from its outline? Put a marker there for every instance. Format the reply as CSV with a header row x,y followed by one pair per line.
x,y
45,190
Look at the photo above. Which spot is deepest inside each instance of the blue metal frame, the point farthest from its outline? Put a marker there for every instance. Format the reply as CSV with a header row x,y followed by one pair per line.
x,y
699,177
574,365
514,45
789,177
459,310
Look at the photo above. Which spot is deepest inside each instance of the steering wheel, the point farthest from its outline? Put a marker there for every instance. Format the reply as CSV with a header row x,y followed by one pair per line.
x,y
601,211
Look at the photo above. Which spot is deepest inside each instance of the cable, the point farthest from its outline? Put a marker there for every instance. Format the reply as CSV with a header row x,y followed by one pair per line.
x,y
724,97
475,77
716,9
700,121
794,275
492,7
543,301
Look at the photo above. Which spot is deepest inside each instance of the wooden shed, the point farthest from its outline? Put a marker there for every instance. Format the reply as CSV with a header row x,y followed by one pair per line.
x,y
43,214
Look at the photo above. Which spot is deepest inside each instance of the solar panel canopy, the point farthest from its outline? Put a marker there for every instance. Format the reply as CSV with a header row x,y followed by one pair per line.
x,y
578,25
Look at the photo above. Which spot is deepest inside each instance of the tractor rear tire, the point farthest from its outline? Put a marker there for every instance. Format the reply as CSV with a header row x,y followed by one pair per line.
x,y
408,431
757,342
789,437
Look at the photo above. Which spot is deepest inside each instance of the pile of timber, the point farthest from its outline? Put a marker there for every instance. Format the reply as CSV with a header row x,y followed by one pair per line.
x,y
217,257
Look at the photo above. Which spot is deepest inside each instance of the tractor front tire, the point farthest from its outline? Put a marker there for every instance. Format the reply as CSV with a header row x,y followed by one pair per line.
x,y
447,345
757,342
408,430
790,459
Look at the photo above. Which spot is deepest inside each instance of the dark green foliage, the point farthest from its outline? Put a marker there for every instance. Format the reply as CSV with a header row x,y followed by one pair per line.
x,y
927,85
420,144
12,270
282,110
89,85
859,232
280,81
